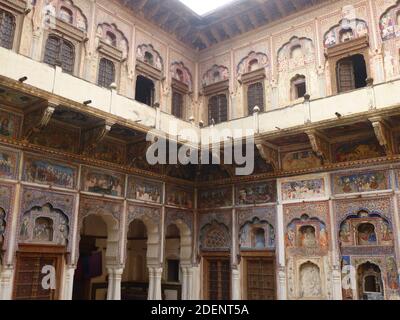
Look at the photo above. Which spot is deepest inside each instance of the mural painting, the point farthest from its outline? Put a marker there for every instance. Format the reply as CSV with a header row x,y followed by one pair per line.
x,y
256,193
358,151
213,198
304,189
9,125
344,31
144,190
257,235
389,23
361,182
300,160
110,151
65,139
49,172
99,181
180,197
8,164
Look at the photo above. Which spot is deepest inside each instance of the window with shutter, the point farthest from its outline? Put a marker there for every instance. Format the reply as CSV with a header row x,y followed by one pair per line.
x,y
351,73
60,52
106,73
260,279
217,277
177,105
255,97
218,109
7,29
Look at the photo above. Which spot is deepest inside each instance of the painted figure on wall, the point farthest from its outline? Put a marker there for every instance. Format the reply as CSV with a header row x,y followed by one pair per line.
x,y
179,197
366,234
361,182
303,189
110,151
344,233
99,182
7,164
389,23
145,190
65,139
9,125
344,31
392,275
358,151
291,235
215,198
43,171
347,290
300,160
257,193
307,237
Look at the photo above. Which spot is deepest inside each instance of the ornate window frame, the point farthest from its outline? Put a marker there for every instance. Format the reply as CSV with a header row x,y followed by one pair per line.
x,y
18,8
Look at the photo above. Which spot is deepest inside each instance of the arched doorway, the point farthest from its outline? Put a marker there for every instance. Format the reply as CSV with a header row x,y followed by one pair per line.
x,y
369,280
136,275
178,255
98,249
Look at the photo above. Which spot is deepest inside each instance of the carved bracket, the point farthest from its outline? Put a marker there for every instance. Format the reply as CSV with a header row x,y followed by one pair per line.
x,y
92,137
37,120
384,134
319,145
269,154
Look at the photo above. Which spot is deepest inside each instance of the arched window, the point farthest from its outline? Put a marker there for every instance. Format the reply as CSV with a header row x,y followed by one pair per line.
x,y
60,52
217,109
66,15
177,104
255,97
7,29
148,58
370,284
298,87
106,73
111,39
366,234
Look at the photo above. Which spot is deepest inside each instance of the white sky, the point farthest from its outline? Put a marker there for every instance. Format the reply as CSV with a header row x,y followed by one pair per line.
x,y
204,6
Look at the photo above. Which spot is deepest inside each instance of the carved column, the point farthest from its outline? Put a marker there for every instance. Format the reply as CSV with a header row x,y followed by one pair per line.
x,y
68,283
282,288
157,283
185,283
6,277
236,292
114,283
151,284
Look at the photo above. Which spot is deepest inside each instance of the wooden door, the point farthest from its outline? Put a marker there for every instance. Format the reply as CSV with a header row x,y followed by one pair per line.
x,y
29,276
345,75
260,282
217,278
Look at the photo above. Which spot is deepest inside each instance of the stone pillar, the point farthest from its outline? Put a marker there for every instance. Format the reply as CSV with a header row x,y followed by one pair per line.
x,y
282,289
190,284
185,283
236,292
6,277
157,283
151,284
114,283
68,283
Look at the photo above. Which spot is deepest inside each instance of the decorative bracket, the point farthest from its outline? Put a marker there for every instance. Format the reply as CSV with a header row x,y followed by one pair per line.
x,y
92,137
384,134
37,120
269,154
320,145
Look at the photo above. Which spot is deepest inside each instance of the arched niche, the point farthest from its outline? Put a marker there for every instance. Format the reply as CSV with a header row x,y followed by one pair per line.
x,y
310,283
148,55
306,232
389,22
111,41
66,11
370,282
216,74
44,225
257,234
252,62
296,53
346,30
181,74
365,228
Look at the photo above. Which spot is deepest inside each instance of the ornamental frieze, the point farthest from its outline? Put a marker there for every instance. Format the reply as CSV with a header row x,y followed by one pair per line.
x,y
172,215
136,212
